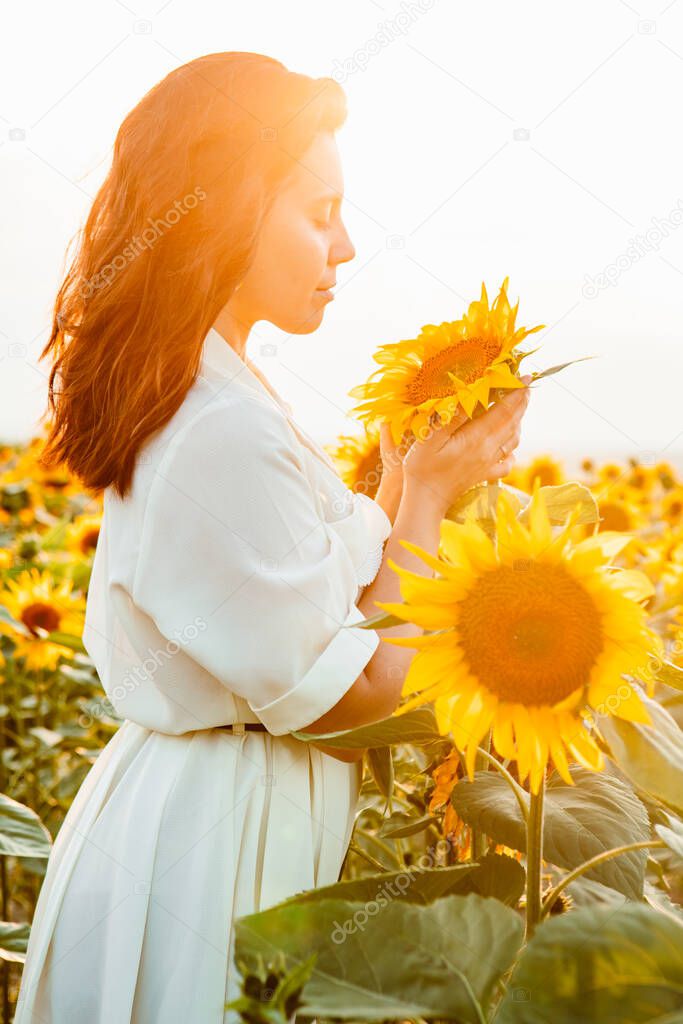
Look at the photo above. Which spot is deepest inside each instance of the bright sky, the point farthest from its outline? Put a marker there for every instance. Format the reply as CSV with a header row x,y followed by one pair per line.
x,y
484,139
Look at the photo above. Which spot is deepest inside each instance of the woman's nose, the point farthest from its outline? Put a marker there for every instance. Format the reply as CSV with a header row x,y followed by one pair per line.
x,y
343,248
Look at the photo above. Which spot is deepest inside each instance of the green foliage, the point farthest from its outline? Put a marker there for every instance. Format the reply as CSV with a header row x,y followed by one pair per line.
x,y
598,813
496,875
22,834
621,966
651,757
391,959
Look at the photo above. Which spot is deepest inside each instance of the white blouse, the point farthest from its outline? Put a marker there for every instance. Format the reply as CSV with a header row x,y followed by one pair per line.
x,y
224,586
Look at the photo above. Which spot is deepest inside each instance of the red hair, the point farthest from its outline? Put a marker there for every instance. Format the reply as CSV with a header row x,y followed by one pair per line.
x,y
170,234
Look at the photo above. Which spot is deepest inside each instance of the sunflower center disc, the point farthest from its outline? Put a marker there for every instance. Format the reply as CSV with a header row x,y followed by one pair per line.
x,y
89,541
467,359
530,635
39,614
368,473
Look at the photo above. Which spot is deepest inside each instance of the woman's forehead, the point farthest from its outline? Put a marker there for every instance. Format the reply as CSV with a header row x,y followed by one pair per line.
x,y
319,174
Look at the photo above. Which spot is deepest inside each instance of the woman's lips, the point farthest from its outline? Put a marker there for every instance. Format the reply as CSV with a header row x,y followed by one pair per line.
x,y
325,293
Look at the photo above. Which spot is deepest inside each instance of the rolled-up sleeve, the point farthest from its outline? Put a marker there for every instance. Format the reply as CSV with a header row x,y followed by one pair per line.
x,y
233,543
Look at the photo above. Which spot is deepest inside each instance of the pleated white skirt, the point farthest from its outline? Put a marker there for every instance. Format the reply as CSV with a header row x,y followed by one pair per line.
x,y
167,841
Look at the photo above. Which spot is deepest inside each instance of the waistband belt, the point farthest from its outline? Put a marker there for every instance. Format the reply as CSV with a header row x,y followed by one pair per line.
x,y
237,728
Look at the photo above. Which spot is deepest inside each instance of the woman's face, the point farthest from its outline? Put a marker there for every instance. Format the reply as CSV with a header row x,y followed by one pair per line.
x,y
302,241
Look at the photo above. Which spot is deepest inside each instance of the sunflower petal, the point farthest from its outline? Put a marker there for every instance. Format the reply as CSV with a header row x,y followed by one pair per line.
x,y
556,744
633,583
479,727
428,616
582,746
522,740
538,748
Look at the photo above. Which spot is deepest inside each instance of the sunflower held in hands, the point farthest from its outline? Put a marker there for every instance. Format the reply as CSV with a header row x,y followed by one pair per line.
x,y
448,365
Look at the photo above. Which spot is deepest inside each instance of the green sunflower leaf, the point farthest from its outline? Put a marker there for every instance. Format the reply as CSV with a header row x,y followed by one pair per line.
x,y
561,499
383,620
382,768
672,834
13,941
561,366
651,756
411,884
480,501
417,727
598,813
496,876
22,833
74,643
388,959
600,966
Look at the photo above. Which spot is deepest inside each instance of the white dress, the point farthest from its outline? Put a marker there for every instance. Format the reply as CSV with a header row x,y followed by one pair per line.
x,y
224,589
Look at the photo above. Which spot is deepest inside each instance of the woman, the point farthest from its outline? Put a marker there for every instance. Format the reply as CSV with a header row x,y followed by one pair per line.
x,y
232,564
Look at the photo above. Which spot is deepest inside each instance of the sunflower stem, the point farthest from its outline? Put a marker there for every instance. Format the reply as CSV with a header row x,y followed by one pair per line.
x,y
355,848
600,858
534,859
480,840
494,494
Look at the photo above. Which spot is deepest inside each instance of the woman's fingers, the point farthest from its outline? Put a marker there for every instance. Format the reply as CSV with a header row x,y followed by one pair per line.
x,y
507,409
505,436
501,469
457,419
509,443
441,432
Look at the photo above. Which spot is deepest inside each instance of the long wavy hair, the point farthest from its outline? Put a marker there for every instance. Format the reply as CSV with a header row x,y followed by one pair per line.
x,y
171,233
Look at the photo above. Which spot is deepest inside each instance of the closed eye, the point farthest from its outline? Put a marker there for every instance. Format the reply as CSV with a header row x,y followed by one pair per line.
x,y
325,224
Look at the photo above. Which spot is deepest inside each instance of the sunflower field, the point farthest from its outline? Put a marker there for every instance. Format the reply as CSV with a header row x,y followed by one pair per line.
x,y
518,844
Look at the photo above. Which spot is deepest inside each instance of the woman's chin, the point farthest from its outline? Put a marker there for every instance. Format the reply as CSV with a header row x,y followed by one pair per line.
x,y
304,325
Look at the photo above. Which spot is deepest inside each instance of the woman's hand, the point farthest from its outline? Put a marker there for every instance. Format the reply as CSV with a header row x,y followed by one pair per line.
x,y
453,458
392,454
391,482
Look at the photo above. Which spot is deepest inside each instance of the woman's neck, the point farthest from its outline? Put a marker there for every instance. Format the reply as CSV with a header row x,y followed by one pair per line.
x,y
233,331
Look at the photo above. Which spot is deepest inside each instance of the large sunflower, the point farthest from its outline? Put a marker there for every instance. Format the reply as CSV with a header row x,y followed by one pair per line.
x,y
447,365
530,632
40,605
